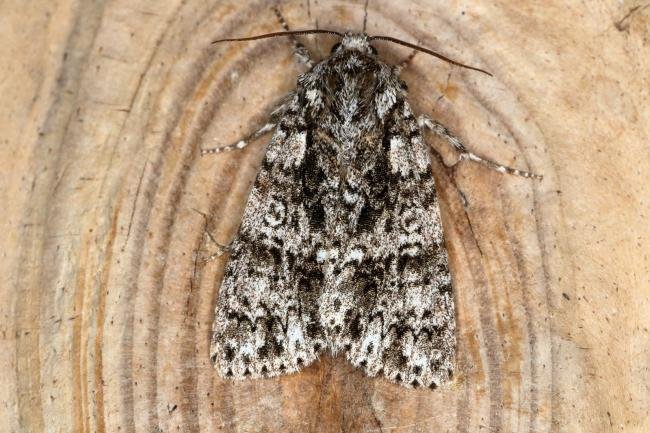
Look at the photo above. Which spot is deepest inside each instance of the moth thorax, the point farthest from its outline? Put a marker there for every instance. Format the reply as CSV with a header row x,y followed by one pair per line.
x,y
358,42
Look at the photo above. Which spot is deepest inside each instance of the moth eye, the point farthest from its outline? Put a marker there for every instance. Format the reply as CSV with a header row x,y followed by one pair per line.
x,y
335,47
373,50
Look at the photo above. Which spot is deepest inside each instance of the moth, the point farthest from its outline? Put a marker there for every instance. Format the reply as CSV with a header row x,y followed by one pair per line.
x,y
341,247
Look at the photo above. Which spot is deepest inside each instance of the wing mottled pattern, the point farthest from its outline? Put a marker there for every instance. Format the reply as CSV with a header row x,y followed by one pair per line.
x,y
266,320
392,297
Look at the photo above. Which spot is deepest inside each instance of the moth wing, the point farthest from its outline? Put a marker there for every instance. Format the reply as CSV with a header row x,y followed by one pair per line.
x,y
266,319
393,300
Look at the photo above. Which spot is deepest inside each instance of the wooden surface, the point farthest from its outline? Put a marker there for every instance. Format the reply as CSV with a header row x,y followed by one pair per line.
x,y
106,305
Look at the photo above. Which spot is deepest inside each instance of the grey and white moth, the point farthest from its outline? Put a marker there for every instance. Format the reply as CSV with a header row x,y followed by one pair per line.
x,y
341,245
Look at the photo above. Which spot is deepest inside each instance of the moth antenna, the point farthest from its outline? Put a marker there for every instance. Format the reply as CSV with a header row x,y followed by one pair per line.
x,y
275,34
365,16
430,52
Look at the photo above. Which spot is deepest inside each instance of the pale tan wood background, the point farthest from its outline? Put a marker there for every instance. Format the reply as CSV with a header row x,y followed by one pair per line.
x,y
106,305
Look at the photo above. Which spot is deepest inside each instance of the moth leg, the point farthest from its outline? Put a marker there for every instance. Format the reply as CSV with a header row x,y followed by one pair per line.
x,y
299,50
221,249
441,131
404,63
243,142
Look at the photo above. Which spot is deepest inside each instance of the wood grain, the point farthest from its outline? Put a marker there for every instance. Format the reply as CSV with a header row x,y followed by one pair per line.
x,y
105,302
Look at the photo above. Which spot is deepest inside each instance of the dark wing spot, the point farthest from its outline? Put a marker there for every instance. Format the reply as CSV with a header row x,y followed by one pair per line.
x,y
277,257
368,218
263,352
277,348
229,353
355,328
312,330
317,216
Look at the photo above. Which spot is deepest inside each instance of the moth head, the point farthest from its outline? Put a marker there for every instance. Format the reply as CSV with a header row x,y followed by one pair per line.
x,y
355,41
